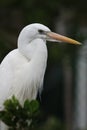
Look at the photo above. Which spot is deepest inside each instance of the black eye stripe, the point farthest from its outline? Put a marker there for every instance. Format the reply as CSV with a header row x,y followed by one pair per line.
x,y
40,31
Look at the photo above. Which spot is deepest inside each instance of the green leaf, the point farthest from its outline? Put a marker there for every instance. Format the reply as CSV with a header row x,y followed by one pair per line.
x,y
34,106
27,104
7,118
15,101
16,116
12,105
31,106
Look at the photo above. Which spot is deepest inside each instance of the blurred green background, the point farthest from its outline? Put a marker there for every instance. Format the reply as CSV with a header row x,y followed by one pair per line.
x,y
67,17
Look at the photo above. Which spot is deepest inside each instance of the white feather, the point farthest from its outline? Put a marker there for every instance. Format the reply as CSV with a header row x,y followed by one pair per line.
x,y
22,77
22,70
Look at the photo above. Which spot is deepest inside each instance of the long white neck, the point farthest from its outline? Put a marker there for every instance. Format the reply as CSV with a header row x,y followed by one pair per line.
x,y
40,56
36,52
35,49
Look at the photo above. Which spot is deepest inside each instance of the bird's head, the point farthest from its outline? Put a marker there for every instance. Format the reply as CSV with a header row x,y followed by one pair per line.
x,y
36,30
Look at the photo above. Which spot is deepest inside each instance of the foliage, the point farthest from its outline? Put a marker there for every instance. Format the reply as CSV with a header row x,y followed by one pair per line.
x,y
26,117
19,117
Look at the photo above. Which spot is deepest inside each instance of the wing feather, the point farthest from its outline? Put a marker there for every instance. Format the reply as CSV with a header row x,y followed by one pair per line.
x,y
9,65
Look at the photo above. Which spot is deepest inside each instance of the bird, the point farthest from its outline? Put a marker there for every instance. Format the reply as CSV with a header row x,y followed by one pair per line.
x,y
22,70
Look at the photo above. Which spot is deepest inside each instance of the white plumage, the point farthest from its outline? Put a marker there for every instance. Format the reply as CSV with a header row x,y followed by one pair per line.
x,y
22,70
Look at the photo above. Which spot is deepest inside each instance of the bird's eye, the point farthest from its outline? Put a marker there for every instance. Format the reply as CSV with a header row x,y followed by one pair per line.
x,y
40,31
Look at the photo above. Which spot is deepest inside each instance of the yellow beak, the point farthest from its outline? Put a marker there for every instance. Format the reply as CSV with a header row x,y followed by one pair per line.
x,y
61,38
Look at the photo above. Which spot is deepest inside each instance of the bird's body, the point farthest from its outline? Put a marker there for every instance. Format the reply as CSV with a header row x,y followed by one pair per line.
x,y
22,70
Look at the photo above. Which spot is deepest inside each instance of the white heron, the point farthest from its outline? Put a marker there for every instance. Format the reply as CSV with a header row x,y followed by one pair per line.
x,y
22,70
